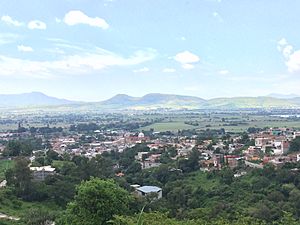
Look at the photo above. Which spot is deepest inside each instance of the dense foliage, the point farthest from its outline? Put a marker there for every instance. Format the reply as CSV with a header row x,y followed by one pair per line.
x,y
96,202
190,196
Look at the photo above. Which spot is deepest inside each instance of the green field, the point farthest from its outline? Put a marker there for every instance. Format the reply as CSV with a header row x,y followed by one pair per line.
x,y
231,123
168,126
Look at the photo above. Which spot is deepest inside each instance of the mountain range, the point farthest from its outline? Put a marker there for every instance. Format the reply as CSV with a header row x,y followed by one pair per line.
x,y
150,101
31,99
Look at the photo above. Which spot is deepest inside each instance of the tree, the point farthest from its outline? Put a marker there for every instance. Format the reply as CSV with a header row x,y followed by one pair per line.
x,y
244,138
295,145
135,167
96,202
18,148
269,151
288,219
52,155
190,164
226,176
20,177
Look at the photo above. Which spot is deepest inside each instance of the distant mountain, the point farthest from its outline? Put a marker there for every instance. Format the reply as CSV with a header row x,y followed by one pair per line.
x,y
120,100
37,100
154,100
31,99
252,102
283,96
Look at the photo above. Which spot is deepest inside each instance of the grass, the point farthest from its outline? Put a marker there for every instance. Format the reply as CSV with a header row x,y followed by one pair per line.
x,y
12,206
214,121
59,164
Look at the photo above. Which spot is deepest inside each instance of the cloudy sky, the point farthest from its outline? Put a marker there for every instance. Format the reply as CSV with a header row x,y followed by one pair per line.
x,y
94,49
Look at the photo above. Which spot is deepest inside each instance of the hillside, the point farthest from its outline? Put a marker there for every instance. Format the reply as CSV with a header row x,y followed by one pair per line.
x,y
153,101
37,100
31,99
252,102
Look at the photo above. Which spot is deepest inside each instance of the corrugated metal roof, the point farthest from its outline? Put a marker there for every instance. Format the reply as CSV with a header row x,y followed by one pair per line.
x,y
149,189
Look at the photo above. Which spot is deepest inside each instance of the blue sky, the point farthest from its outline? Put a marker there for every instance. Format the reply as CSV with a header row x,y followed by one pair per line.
x,y
94,49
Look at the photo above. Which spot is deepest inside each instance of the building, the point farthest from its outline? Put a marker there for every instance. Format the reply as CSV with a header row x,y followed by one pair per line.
x,y
231,160
281,147
149,164
262,141
40,173
147,190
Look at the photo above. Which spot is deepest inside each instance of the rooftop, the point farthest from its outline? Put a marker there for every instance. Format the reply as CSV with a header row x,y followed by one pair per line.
x,y
149,189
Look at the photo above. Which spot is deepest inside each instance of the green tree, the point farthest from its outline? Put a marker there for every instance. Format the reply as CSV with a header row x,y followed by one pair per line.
x,y
190,164
226,176
18,148
295,145
96,202
20,177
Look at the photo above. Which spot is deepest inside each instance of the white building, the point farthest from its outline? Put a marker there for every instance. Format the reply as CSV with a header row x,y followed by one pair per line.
x,y
40,173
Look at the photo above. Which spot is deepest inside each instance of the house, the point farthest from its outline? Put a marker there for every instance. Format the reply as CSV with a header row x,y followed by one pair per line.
x,y
40,173
281,147
141,156
149,164
147,190
262,141
231,160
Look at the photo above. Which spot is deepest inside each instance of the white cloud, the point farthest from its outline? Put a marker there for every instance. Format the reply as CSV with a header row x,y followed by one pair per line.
x,y
292,57
8,20
168,70
287,51
284,47
293,62
23,48
77,17
36,24
188,66
282,42
223,72
142,70
186,57
80,63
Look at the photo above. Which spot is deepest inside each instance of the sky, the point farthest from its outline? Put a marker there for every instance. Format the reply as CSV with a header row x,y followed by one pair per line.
x,y
91,50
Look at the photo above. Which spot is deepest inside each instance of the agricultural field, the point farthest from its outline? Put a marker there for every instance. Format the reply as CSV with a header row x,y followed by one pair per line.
x,y
231,123
168,126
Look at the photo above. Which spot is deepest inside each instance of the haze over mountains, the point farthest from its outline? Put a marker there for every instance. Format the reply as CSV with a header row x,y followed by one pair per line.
x,y
31,99
152,101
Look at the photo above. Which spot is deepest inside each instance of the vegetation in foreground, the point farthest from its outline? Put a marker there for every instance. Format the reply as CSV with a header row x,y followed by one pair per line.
x,y
263,196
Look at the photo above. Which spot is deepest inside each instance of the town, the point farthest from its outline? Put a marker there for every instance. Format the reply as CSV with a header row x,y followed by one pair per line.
x,y
255,147
58,152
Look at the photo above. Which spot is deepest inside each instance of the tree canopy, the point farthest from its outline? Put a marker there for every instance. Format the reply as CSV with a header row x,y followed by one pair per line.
x,y
96,202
